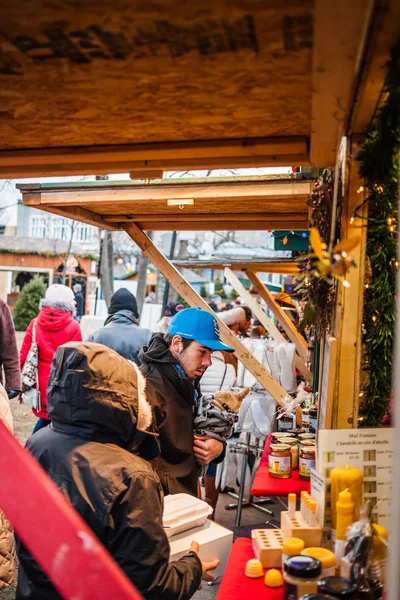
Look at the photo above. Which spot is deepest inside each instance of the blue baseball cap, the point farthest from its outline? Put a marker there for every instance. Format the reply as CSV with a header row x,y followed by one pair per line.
x,y
198,325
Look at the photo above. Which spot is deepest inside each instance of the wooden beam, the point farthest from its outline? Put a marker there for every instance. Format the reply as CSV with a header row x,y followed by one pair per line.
x,y
204,225
349,310
264,319
383,35
156,174
75,213
280,315
339,41
173,156
266,266
135,195
302,217
187,292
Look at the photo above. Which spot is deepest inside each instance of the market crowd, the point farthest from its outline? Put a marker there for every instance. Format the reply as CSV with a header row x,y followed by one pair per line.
x,y
121,422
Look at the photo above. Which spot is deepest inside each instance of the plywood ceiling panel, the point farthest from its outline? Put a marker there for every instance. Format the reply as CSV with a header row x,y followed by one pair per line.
x,y
77,74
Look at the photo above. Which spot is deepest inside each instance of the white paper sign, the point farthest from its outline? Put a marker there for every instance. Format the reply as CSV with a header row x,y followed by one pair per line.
x,y
371,451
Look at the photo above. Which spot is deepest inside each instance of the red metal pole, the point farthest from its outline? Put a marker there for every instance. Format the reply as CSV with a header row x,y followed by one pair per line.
x,y
67,550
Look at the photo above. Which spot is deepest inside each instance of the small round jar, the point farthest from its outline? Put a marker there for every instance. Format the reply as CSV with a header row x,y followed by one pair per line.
x,y
300,575
326,558
278,437
280,461
313,415
291,547
296,432
294,449
305,418
306,459
285,422
338,587
306,436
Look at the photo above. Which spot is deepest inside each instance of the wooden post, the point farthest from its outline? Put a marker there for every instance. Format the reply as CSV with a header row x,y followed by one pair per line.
x,y
349,311
264,319
280,315
187,292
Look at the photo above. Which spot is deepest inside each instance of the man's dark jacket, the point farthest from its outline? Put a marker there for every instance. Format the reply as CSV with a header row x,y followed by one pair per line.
x,y
85,451
122,333
172,397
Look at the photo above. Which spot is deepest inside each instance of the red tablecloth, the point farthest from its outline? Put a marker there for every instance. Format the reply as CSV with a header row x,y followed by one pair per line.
x,y
264,485
235,584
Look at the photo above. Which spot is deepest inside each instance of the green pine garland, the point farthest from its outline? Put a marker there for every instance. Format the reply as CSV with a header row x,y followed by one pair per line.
x,y
379,167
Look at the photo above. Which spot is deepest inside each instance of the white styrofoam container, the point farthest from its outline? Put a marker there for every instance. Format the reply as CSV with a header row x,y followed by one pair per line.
x,y
214,542
183,512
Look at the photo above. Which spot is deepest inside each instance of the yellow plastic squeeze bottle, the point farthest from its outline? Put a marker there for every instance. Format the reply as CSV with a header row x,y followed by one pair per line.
x,y
344,514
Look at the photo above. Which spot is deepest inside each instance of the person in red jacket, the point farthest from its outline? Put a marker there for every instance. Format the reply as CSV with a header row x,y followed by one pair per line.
x,y
54,326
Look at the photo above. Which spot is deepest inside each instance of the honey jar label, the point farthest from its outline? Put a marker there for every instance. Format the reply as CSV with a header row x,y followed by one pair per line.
x,y
305,466
279,465
285,426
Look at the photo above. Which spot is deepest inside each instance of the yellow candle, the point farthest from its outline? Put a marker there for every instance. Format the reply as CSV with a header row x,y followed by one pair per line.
x,y
343,478
344,514
379,543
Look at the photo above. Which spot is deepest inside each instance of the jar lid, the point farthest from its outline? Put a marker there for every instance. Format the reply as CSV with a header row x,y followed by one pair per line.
x,y
307,443
281,434
326,557
290,441
304,567
337,587
293,546
279,447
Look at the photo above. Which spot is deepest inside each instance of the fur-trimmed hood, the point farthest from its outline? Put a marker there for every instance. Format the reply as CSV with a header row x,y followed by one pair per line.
x,y
97,394
63,306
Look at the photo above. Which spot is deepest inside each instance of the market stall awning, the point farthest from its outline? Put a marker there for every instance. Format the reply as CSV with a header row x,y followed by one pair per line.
x,y
252,203
180,85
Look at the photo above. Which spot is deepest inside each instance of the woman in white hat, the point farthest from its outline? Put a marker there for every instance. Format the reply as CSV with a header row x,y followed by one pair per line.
x,y
54,326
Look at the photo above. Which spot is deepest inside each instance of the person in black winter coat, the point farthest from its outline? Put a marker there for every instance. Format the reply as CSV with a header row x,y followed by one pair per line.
x,y
80,301
121,331
95,451
173,365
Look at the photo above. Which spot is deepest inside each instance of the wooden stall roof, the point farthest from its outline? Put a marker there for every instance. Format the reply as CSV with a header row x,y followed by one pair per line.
x,y
97,87
249,203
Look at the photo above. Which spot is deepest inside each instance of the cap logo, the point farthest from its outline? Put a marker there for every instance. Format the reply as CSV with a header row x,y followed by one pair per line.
x,y
216,327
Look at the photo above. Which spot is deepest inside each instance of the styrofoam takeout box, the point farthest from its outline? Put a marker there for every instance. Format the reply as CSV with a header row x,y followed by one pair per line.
x,y
214,542
183,512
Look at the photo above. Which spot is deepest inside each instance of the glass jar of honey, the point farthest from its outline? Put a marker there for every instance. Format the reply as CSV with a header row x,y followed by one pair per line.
x,y
305,419
285,422
294,450
280,461
306,459
278,437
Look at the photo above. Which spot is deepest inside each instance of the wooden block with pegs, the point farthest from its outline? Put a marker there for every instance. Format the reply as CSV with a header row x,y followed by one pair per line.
x,y
298,527
267,547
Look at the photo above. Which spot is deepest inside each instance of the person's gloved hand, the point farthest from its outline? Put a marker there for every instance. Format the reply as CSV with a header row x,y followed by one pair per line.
x,y
12,393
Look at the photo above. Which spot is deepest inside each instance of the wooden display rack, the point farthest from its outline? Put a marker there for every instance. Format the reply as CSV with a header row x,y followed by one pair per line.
x,y
267,547
298,527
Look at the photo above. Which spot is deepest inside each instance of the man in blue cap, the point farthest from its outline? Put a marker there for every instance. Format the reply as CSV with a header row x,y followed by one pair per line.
x,y
173,364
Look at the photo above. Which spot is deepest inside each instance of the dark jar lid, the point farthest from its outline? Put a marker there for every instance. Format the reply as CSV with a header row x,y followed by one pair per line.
x,y
317,597
338,587
304,567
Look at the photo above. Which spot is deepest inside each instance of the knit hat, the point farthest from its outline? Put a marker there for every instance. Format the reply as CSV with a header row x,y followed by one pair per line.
x,y
59,297
172,308
123,299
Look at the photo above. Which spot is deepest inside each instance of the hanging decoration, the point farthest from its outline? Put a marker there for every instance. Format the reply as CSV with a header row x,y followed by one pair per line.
x,y
318,293
331,265
379,167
